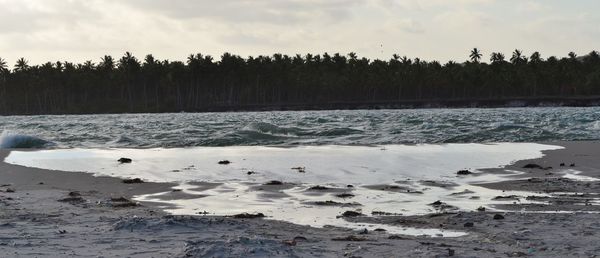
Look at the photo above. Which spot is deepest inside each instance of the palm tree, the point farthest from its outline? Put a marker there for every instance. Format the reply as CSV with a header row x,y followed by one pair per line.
x,y
475,55
517,57
3,65
496,57
535,57
22,65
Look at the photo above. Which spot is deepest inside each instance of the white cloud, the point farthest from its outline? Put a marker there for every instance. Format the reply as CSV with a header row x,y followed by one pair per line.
x,y
78,30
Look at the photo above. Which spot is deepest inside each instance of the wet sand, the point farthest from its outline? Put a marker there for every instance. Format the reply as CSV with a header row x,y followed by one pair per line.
x,y
53,213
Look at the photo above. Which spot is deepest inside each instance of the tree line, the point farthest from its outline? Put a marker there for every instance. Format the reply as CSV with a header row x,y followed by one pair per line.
x,y
202,83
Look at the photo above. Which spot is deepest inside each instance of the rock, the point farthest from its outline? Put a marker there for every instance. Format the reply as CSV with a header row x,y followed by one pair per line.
x,y
562,164
344,195
250,172
572,165
364,232
533,166
498,216
249,216
481,208
300,169
318,188
224,162
469,225
464,172
352,214
133,181
10,190
124,160
396,237
436,203
379,230
350,186
274,182
74,194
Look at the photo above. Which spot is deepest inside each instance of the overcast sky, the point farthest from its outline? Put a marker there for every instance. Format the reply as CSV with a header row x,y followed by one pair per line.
x,y
79,30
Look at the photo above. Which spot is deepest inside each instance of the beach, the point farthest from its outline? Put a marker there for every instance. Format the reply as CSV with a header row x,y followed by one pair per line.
x,y
50,213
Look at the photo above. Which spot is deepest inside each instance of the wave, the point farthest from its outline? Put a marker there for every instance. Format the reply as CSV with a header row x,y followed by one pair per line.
x,y
271,129
10,140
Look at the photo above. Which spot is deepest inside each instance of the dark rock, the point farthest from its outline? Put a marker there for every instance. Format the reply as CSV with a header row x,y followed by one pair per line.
x,y
562,164
250,172
274,182
300,169
396,237
249,216
224,162
508,197
352,214
464,172
74,194
533,166
436,203
318,188
481,208
469,225
379,230
572,165
10,190
132,181
124,160
350,186
498,216
344,195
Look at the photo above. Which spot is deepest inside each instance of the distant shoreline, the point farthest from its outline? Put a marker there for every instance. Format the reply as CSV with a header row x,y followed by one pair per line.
x,y
589,101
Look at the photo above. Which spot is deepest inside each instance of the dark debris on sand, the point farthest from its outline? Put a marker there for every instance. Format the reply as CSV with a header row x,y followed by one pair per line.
x,y
248,216
125,160
133,181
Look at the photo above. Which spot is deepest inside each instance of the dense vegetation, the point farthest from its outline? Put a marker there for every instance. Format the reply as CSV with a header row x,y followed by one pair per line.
x,y
202,83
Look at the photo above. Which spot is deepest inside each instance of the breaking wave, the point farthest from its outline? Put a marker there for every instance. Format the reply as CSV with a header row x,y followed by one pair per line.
x,y
9,140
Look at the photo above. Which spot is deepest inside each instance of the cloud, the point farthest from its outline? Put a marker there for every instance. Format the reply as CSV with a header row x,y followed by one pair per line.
x,y
78,30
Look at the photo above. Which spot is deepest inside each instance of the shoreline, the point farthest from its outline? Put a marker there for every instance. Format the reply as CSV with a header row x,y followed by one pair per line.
x,y
525,102
40,225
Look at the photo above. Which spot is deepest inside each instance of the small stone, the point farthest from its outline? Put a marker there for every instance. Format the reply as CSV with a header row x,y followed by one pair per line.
x,y
464,172
469,225
498,216
124,160
133,181
481,208
224,162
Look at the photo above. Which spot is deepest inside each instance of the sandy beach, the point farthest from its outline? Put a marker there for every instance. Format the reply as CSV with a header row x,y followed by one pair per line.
x,y
54,213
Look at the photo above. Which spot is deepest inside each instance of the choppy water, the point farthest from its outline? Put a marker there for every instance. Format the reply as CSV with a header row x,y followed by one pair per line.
x,y
359,127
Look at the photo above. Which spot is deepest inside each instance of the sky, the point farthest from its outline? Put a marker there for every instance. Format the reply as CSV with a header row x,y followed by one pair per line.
x,y
80,30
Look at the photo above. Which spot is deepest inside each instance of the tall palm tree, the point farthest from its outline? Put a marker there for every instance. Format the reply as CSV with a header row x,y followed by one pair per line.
x,y
535,57
475,55
3,65
517,57
22,65
496,57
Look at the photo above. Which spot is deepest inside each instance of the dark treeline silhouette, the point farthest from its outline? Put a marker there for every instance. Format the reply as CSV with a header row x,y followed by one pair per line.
x,y
280,81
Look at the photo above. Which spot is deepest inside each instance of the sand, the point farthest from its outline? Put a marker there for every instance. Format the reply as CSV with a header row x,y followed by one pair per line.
x,y
54,213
